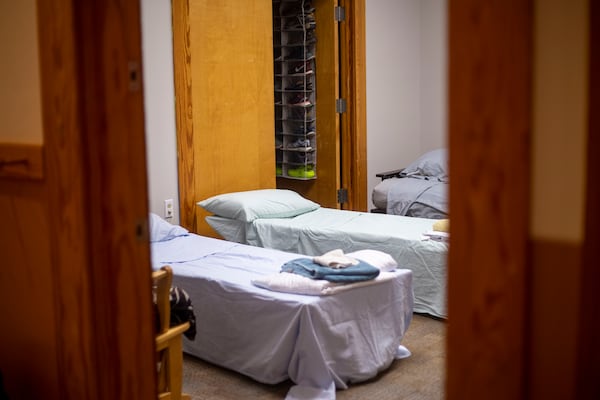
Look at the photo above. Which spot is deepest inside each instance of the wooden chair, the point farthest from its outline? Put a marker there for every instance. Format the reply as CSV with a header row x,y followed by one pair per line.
x,y
169,348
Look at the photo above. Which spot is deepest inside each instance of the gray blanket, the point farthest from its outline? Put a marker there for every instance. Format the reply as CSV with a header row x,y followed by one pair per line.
x,y
418,197
353,273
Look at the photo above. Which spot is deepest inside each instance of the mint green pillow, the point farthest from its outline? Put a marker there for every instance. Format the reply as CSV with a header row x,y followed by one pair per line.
x,y
263,203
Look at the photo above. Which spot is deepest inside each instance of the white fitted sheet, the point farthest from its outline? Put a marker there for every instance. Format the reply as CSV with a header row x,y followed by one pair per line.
x,y
319,342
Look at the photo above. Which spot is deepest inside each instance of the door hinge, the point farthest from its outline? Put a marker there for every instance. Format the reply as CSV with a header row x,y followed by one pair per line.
x,y
340,14
135,80
342,196
340,106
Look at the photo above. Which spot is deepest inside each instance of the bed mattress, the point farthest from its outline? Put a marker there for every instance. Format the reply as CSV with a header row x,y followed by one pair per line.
x,y
317,232
321,343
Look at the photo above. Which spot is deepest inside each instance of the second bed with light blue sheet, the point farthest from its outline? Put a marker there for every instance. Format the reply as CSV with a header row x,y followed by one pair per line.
x,y
315,230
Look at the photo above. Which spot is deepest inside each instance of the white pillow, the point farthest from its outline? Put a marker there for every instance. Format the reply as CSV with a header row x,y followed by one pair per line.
x,y
262,203
434,163
376,258
161,230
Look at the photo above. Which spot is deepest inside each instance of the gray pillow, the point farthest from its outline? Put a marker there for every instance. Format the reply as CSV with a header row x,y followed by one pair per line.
x,y
434,164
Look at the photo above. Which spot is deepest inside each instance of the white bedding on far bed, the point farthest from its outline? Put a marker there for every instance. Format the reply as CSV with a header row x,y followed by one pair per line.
x,y
317,232
321,343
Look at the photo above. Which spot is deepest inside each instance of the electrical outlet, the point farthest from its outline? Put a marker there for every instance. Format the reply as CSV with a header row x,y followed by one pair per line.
x,y
169,208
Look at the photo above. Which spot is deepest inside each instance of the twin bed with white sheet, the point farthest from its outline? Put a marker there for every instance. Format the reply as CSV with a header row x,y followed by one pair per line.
x,y
252,321
284,220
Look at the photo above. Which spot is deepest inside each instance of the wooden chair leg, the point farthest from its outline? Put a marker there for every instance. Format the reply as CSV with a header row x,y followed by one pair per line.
x,y
169,341
162,371
175,369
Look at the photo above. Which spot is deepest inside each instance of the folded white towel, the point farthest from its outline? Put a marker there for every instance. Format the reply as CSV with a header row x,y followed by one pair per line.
x,y
293,283
335,259
376,258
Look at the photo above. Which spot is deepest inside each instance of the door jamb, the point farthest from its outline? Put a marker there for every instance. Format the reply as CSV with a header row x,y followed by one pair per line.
x,y
354,120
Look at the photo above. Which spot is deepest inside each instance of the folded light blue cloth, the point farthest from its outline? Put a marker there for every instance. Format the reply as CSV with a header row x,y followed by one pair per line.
x,y
354,273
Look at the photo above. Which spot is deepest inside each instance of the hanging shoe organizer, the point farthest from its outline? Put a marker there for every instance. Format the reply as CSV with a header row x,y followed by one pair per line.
x,y
294,44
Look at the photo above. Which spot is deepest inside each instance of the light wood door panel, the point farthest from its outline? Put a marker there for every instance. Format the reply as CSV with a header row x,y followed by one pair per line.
x,y
323,190
224,90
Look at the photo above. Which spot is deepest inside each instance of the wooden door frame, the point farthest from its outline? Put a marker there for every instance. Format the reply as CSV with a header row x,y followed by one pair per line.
x,y
96,195
588,357
354,120
184,117
491,294
109,55
490,43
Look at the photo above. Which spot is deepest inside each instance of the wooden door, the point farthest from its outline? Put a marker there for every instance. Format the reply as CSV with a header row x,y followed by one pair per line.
x,y
341,139
323,189
223,55
509,301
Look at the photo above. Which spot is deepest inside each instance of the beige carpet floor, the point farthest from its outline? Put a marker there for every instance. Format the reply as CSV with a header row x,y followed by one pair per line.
x,y
418,377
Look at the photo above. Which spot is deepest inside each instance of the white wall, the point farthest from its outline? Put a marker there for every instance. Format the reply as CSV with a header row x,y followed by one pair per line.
x,y
406,89
434,67
406,82
159,105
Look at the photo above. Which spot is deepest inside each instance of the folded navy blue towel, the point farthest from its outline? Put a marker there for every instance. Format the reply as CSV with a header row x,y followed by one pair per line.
x,y
354,273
